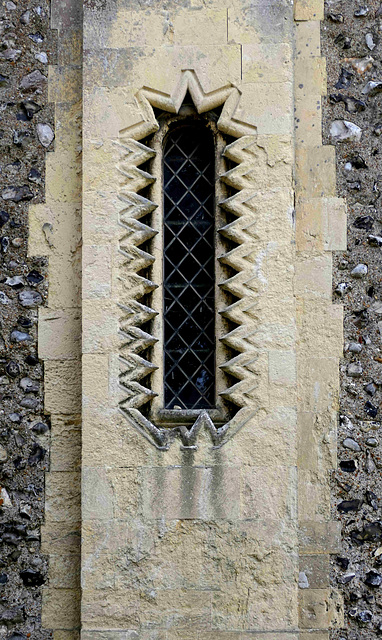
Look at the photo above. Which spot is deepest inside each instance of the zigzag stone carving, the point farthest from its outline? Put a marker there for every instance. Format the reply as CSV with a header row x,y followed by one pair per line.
x,y
135,368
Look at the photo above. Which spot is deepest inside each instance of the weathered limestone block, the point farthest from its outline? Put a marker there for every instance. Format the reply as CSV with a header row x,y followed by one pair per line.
x,y
314,495
308,41
316,570
59,539
66,454
315,172
98,495
269,110
321,224
59,334
64,571
282,368
60,608
122,67
100,328
271,62
62,491
316,440
191,493
260,22
61,634
96,271
318,321
62,393
263,496
308,10
319,537
314,276
314,609
318,387
311,73
308,120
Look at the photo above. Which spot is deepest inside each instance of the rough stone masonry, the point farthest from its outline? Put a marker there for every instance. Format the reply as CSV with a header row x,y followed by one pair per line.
x,y
27,133
351,36
37,119
202,530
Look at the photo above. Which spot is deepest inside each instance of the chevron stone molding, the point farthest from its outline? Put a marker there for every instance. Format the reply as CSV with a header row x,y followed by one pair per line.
x,y
136,368
229,96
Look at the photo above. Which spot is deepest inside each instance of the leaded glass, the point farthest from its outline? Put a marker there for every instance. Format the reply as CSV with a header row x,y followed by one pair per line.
x,y
189,269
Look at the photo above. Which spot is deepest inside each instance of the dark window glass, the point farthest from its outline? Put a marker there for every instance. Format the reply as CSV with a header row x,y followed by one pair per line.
x,y
189,269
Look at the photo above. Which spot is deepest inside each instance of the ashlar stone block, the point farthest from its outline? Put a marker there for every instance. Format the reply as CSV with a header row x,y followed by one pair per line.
x,y
98,495
267,63
62,392
61,608
282,368
308,40
191,492
309,10
270,110
59,333
97,271
264,497
313,609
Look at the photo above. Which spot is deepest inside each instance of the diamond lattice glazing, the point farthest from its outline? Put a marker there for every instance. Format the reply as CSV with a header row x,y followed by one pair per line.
x,y
189,269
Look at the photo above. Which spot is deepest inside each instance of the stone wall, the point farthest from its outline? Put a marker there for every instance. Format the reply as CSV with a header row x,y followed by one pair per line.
x,y
199,532
351,37
184,540
26,134
40,434
177,540
55,231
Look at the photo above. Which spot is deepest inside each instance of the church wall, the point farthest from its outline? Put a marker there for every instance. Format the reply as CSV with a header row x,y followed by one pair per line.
x,y
55,231
351,43
192,539
165,531
152,517
24,439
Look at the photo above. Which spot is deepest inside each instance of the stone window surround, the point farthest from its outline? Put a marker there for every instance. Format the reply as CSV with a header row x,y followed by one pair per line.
x,y
156,425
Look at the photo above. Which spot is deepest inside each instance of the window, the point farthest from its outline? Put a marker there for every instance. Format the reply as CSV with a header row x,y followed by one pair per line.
x,y
187,301
187,247
189,268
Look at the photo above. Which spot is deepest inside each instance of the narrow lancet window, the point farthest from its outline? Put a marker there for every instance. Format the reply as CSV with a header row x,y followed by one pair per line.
x,y
189,268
